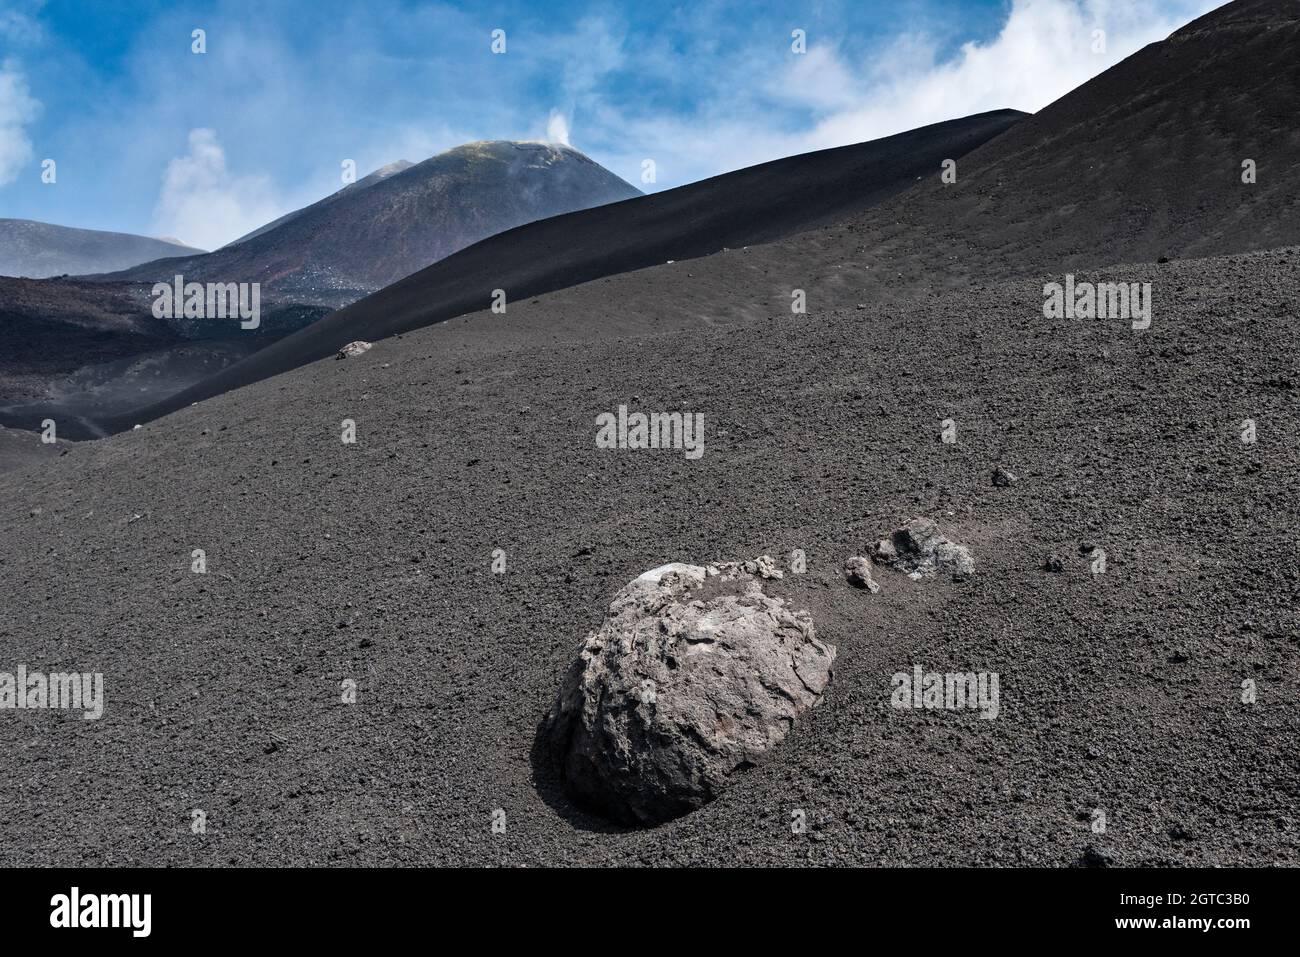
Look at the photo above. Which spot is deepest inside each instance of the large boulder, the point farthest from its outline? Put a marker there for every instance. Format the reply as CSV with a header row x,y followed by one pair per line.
x,y
695,676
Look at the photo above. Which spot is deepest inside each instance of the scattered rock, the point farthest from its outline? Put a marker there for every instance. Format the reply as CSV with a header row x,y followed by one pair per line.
x,y
1003,478
353,349
858,571
918,550
1094,856
1054,563
694,676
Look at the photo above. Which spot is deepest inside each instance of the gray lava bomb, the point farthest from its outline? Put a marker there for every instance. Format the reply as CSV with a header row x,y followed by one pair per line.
x,y
695,675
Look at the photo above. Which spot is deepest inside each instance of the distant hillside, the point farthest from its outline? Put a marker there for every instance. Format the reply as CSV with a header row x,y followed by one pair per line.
x,y
33,250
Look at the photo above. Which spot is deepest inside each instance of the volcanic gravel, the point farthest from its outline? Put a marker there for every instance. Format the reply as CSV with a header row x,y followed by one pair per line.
x,y
1120,691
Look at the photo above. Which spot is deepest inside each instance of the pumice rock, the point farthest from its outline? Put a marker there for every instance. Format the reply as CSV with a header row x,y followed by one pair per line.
x,y
353,349
918,550
695,676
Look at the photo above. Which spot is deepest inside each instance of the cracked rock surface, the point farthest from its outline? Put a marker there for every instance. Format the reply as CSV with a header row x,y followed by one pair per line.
x,y
918,550
695,675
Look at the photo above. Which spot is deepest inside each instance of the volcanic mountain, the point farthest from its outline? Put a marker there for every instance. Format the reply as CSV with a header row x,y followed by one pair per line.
x,y
399,220
35,250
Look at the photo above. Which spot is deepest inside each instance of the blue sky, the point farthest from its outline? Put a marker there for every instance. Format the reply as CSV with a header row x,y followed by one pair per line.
x,y
152,138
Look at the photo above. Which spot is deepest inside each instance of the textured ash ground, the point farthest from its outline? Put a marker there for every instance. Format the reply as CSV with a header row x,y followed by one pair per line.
x,y
1119,691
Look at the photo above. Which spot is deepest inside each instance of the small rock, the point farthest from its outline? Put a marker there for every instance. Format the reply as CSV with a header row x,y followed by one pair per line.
x,y
918,550
1094,856
353,349
916,537
1003,478
1054,563
858,571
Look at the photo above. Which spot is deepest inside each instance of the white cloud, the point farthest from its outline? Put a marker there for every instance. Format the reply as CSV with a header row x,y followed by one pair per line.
x,y
17,110
204,204
1045,49
754,110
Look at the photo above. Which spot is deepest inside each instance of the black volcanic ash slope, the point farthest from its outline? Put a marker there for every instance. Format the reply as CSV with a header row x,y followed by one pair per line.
x,y
33,250
394,223
373,562
751,206
1142,162
52,327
